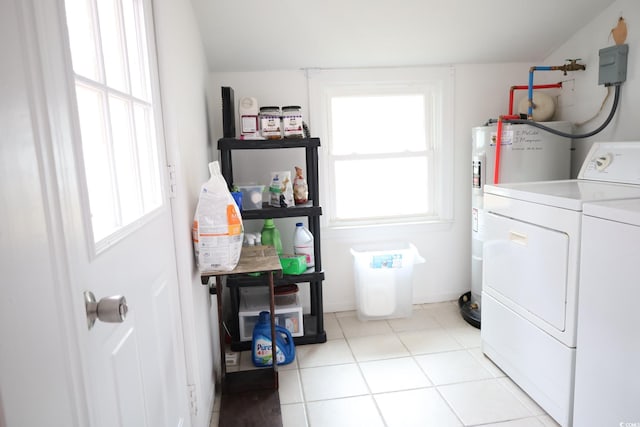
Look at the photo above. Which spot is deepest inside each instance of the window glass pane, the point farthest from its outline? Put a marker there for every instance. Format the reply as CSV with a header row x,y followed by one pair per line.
x,y
136,48
97,155
113,46
378,124
381,187
125,158
80,24
118,129
147,157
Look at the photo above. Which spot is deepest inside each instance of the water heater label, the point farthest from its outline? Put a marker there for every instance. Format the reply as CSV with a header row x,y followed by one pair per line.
x,y
477,174
507,138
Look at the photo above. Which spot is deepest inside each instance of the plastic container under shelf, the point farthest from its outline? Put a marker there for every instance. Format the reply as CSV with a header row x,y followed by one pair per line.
x,y
251,196
255,300
383,279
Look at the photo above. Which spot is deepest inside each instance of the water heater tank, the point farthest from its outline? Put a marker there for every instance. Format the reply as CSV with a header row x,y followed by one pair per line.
x,y
526,154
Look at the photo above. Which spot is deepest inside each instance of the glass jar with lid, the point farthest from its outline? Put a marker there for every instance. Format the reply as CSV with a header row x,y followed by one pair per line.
x,y
270,122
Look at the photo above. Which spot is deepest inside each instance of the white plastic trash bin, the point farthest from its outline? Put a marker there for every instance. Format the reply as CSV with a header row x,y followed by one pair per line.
x,y
383,279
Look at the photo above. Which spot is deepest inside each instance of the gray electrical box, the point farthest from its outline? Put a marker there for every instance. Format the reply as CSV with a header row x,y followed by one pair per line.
x,y
613,65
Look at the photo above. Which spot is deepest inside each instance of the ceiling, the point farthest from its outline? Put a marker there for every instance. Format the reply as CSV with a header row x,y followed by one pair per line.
x,y
252,35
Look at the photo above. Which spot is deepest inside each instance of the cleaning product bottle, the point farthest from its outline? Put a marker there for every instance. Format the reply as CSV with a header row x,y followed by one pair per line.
x,y
271,235
300,188
303,243
262,354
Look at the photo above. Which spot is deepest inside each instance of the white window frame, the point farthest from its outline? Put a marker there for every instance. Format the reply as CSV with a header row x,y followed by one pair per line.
x,y
438,84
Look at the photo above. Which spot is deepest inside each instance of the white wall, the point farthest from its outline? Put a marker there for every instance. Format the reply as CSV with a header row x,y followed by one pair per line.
x,y
481,92
183,78
580,99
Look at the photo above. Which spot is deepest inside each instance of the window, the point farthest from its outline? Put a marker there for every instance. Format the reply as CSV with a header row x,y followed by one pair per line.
x,y
110,57
387,144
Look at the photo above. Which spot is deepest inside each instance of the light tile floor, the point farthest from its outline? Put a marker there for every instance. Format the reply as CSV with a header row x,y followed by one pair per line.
x,y
426,370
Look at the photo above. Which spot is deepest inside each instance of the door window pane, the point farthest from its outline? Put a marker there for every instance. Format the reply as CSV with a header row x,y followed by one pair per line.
x,y
136,48
82,37
124,156
116,113
147,157
113,44
98,172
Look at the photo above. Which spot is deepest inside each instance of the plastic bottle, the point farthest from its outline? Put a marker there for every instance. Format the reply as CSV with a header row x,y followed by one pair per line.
x,y
271,236
261,353
303,243
300,188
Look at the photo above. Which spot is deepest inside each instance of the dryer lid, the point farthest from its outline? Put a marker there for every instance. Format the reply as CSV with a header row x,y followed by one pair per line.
x,y
567,194
624,211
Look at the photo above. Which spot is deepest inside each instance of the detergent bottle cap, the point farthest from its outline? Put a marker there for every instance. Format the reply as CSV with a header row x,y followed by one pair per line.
x,y
268,223
264,317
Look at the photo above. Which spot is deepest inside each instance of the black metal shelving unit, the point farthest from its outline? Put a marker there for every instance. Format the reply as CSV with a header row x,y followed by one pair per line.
x,y
313,322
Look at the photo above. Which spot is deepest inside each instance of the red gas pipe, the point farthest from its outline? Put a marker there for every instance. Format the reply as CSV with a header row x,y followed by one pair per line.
x,y
496,166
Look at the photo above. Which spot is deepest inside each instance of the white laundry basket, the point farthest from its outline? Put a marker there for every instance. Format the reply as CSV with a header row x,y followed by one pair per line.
x,y
383,279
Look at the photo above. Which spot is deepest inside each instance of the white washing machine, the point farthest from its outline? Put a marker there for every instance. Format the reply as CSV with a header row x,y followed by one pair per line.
x,y
531,271
607,389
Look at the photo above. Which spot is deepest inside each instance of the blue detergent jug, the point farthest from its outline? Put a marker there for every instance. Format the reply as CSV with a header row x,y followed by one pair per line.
x,y
261,345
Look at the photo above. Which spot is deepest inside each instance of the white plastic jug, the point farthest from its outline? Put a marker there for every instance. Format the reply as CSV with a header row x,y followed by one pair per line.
x,y
303,243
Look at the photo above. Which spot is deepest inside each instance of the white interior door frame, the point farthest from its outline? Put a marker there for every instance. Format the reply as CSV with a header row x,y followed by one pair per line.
x,y
38,27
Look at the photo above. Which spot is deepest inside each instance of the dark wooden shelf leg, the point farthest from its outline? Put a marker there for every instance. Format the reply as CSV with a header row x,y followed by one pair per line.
x,y
272,316
223,364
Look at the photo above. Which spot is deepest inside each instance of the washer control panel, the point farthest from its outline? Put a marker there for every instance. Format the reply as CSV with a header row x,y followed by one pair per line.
x,y
612,162
602,162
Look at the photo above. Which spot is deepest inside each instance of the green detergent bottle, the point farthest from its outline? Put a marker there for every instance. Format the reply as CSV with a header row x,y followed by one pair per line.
x,y
271,235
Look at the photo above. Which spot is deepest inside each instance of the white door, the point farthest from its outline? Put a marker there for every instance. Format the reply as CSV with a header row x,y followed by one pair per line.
x,y
115,218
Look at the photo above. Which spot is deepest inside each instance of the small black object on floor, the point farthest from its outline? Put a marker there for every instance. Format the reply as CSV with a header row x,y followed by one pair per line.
x,y
468,310
259,408
249,399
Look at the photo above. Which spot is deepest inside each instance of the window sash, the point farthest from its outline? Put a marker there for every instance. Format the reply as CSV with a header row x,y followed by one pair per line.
x,y
437,87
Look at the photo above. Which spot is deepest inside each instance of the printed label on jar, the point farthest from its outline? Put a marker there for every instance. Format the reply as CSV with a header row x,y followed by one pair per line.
x,y
270,126
292,125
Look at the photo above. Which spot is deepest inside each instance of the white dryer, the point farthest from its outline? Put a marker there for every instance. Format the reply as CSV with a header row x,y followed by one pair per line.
x,y
607,391
531,271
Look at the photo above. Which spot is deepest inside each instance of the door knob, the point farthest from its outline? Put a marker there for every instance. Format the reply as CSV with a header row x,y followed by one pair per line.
x,y
111,309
